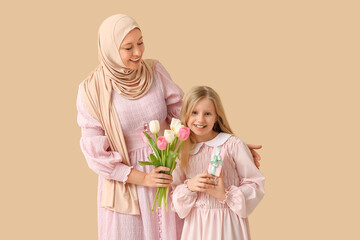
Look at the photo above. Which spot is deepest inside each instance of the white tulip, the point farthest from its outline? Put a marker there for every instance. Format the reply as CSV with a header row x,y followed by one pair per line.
x,y
154,126
177,128
169,135
174,122
175,125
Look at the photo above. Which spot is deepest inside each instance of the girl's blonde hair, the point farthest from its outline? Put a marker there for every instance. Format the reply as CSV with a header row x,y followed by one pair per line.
x,y
190,100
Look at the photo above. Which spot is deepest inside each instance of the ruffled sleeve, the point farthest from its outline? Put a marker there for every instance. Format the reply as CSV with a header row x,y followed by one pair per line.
x,y
172,93
183,200
243,199
95,146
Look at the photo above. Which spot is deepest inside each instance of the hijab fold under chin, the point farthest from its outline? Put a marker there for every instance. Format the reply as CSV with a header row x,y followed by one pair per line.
x,y
112,74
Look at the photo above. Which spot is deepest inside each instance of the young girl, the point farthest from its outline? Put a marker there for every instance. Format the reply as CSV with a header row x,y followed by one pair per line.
x,y
214,208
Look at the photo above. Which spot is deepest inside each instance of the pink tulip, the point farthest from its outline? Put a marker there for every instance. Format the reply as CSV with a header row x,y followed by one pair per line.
x,y
161,143
184,133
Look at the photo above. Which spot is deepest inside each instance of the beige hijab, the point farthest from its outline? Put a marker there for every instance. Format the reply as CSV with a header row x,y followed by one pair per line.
x,y
112,74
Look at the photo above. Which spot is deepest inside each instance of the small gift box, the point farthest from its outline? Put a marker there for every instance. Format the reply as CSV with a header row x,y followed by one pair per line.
x,y
216,162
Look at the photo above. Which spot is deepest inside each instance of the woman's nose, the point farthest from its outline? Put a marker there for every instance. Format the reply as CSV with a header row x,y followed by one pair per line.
x,y
137,51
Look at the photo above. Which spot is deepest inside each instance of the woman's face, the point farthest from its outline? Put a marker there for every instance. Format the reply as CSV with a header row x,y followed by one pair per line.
x,y
132,49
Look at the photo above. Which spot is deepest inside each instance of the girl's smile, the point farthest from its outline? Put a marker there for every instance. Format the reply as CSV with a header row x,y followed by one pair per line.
x,y
202,120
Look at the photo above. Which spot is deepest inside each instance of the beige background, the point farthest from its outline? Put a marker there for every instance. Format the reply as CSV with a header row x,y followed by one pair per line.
x,y
287,72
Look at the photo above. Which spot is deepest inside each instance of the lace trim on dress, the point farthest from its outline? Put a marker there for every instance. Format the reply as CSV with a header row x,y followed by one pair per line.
x,y
127,174
226,196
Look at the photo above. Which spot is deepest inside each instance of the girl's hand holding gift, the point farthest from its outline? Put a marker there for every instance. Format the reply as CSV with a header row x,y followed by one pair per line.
x,y
205,182
201,182
218,191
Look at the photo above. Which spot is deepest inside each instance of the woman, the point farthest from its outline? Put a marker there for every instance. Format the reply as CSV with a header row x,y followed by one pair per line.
x,y
115,103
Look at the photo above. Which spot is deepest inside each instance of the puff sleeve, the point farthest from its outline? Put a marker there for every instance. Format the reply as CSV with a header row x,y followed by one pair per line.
x,y
172,93
244,198
95,146
183,199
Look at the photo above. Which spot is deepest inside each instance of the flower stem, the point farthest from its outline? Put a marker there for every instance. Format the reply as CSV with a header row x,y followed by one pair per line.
x,y
157,193
160,197
166,198
178,150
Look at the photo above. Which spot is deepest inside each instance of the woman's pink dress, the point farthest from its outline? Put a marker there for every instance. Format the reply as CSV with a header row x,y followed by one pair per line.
x,y
162,102
205,216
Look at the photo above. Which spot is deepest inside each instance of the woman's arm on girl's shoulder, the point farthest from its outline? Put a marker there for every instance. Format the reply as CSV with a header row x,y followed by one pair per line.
x,y
256,156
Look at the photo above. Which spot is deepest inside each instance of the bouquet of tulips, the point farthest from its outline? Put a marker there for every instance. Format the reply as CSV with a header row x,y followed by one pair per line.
x,y
165,151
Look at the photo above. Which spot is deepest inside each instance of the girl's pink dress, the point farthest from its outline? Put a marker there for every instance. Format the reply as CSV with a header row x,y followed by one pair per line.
x,y
205,216
162,102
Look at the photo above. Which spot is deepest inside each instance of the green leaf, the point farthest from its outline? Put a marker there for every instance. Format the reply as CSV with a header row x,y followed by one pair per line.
x,y
173,167
152,145
144,163
169,160
154,160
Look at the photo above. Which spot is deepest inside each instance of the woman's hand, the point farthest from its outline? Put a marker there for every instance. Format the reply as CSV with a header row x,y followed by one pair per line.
x,y
255,155
157,179
201,182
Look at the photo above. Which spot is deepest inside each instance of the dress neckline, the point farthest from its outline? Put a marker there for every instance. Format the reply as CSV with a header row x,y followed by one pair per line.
x,y
220,139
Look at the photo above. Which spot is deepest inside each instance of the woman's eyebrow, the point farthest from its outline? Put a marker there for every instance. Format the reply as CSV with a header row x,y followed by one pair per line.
x,y
129,43
126,44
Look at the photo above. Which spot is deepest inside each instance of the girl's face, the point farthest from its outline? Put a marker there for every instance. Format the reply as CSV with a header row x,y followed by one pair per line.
x,y
132,49
202,120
